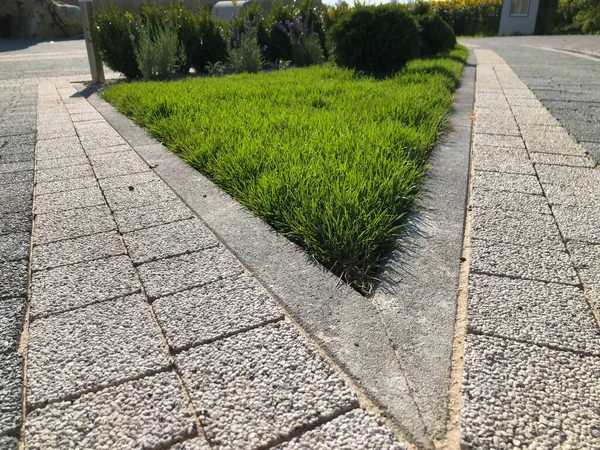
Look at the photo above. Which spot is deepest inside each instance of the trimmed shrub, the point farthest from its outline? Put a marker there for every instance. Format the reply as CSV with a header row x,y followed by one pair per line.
x,y
158,52
114,35
377,40
211,46
246,56
436,35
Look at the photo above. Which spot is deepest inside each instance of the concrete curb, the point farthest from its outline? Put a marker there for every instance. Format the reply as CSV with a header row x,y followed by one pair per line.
x,y
351,329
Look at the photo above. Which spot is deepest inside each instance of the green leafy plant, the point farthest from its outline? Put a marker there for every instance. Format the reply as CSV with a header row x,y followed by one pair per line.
x,y
377,40
158,52
436,35
211,45
215,70
247,56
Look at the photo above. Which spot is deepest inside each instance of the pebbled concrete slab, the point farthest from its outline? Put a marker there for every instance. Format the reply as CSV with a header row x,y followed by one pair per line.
x,y
171,239
579,196
71,224
6,157
147,413
15,222
91,348
533,263
11,383
69,287
516,228
128,180
519,395
63,173
536,115
118,164
13,282
65,185
63,147
151,215
62,162
11,167
497,140
543,139
193,444
578,224
568,176
253,390
66,200
15,203
14,246
138,195
25,176
11,318
112,144
18,143
586,258
171,275
72,251
561,160
214,311
92,131
496,181
549,314
9,443
505,160
356,429
508,201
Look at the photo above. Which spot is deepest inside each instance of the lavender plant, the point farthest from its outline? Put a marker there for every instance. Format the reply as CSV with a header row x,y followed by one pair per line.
x,y
306,45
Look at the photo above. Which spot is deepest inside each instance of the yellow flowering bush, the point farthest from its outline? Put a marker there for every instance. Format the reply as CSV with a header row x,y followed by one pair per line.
x,y
470,17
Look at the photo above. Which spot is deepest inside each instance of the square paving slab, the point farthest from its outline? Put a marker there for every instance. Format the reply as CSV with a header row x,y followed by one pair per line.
x,y
11,384
14,246
11,318
139,195
214,311
65,200
150,215
147,413
508,201
542,313
524,396
68,287
90,348
13,282
258,386
496,181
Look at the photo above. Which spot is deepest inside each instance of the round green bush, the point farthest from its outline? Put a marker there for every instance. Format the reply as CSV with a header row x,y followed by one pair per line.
x,y
377,40
436,35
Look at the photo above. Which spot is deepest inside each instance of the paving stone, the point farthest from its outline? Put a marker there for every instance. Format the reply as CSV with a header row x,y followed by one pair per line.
x,y
534,263
192,444
63,173
25,176
171,239
14,246
87,116
62,162
15,203
15,222
89,131
72,251
593,148
498,128
497,140
139,195
214,311
68,287
581,196
11,377
65,200
580,224
561,160
146,413
91,348
9,443
508,201
568,175
118,164
518,93
15,167
59,148
517,228
128,180
524,396
13,282
171,275
534,116
498,159
150,215
17,144
16,157
491,99
65,185
586,258
543,139
60,225
260,385
542,313
497,181
105,145
354,430
525,102
11,318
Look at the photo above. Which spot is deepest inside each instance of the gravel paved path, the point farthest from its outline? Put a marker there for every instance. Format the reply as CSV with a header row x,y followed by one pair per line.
x,y
532,356
143,330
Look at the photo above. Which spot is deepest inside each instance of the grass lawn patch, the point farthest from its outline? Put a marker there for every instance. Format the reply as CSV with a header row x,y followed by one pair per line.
x,y
332,160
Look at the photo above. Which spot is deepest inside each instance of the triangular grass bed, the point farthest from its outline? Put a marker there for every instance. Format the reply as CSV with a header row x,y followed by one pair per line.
x,y
332,160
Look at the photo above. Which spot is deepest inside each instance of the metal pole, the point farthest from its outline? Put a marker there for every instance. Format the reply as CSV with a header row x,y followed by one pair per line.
x,y
86,8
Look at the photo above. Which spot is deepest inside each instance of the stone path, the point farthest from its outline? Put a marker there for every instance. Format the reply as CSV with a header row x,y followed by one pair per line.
x,y
532,356
143,330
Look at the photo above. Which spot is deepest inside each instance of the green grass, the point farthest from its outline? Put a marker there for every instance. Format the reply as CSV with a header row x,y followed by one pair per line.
x,y
332,160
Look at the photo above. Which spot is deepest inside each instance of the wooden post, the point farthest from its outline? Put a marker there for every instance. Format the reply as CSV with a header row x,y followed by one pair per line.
x,y
86,8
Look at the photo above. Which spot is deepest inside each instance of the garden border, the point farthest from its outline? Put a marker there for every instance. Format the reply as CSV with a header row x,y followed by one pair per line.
x,y
356,332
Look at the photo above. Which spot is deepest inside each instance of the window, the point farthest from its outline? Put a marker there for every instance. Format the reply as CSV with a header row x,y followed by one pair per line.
x,y
519,7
